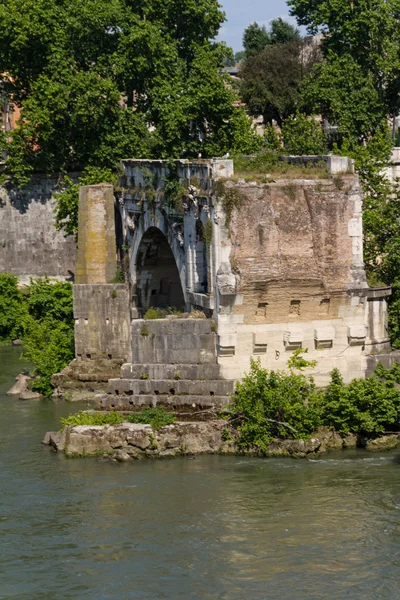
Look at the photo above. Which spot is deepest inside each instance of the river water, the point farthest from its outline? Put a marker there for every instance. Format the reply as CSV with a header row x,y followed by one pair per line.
x,y
213,528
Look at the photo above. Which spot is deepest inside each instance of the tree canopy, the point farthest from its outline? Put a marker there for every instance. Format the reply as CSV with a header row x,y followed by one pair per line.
x,y
97,80
256,37
271,80
358,84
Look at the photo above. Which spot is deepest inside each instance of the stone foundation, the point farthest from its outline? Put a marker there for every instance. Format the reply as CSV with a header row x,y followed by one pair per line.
x,y
174,363
130,440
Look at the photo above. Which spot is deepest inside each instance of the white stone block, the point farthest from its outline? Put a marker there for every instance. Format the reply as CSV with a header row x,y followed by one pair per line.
x,y
293,336
227,340
261,337
357,331
355,227
323,334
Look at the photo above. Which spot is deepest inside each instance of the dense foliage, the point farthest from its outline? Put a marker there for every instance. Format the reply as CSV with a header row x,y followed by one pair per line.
x,y
256,38
274,403
271,404
92,76
12,308
275,67
42,315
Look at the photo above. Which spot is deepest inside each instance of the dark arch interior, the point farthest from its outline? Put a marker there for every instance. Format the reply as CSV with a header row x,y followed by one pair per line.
x,y
157,278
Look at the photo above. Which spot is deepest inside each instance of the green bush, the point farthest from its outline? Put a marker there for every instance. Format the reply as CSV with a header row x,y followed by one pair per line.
x,y
366,406
92,418
49,344
156,417
155,313
268,404
12,308
50,299
42,315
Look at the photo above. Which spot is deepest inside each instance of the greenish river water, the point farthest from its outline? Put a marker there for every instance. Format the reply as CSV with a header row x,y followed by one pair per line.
x,y
213,528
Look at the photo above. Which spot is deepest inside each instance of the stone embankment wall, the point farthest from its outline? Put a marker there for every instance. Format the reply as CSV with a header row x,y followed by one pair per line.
x,y
30,245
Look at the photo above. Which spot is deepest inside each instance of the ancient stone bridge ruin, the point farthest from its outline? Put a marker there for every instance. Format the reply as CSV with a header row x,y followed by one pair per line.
x,y
273,265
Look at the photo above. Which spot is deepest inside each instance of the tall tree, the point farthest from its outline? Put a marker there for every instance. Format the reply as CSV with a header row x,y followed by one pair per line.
x,y
282,32
255,38
90,76
270,80
359,81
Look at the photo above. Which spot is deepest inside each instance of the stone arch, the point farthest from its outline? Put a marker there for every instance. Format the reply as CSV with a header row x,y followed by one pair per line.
x,y
157,280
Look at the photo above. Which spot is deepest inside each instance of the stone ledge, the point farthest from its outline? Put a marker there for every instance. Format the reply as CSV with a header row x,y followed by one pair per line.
x,y
131,440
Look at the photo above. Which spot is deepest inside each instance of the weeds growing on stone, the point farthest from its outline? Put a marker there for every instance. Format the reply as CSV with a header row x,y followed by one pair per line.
x,y
157,417
92,418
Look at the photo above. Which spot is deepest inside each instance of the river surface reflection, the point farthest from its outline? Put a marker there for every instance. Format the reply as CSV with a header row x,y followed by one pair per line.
x,y
213,528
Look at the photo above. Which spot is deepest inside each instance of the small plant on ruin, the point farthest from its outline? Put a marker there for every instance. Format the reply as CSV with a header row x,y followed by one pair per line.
x,y
118,277
157,417
143,375
290,191
144,330
156,313
177,376
338,182
174,191
231,199
92,418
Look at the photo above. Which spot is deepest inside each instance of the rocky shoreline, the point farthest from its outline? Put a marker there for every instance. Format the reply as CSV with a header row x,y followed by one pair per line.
x,y
128,441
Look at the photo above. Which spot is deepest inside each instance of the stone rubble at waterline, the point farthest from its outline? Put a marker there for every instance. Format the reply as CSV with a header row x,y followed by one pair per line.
x,y
134,441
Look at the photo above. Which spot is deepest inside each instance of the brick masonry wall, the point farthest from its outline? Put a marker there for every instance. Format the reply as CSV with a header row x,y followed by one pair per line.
x,y
293,246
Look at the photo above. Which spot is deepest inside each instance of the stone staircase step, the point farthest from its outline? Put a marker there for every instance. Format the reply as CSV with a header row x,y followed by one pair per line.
x,y
170,371
171,387
129,403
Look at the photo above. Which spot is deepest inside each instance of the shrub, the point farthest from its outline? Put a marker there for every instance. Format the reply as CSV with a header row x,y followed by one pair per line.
x,y
12,308
155,313
156,417
274,403
366,406
49,344
50,299
92,418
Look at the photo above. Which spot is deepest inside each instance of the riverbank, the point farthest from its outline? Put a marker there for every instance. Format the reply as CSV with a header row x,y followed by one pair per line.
x,y
126,441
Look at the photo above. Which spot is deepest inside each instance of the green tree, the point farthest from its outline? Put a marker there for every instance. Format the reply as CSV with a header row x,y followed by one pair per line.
x,y
255,38
303,135
90,76
271,80
362,66
282,32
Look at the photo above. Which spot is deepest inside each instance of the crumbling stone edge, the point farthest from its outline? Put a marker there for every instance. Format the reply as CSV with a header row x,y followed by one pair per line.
x,y
128,441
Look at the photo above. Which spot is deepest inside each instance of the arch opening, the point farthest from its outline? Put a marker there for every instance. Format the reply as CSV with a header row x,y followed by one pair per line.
x,y
158,283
